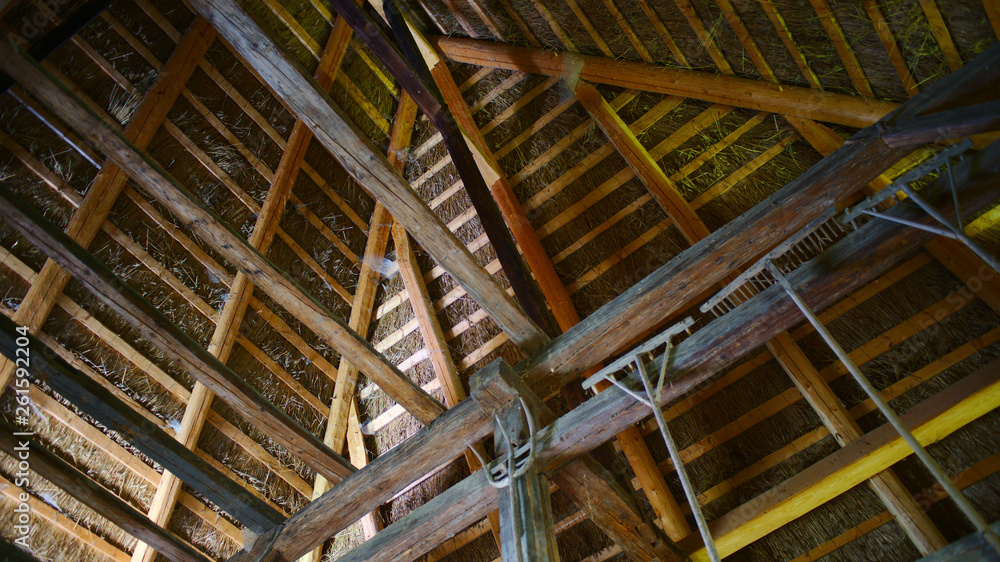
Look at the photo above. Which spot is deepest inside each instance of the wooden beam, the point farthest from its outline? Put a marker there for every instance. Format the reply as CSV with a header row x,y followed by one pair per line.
x,y
552,288
940,32
91,494
645,167
176,345
842,426
843,46
695,270
87,220
970,269
930,421
236,249
729,90
945,125
704,37
891,47
778,22
231,318
362,161
99,403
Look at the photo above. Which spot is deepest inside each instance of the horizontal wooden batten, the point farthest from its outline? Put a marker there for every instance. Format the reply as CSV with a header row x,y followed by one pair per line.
x,y
729,90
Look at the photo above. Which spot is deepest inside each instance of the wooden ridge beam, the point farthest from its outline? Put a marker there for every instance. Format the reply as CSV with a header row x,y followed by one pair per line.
x,y
932,420
212,230
93,495
729,90
231,318
100,197
361,160
99,403
695,270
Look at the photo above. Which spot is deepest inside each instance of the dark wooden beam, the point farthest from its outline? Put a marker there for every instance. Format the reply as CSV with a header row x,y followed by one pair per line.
x,y
944,125
220,236
99,403
364,162
96,497
675,285
175,344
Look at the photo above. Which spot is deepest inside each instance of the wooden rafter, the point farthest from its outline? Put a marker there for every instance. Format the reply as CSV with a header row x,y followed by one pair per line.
x,y
840,41
228,325
97,203
793,49
728,90
941,34
706,39
211,229
891,47
359,158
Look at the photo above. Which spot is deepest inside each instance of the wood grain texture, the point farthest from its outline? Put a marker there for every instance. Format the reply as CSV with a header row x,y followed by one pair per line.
x,y
214,232
729,90
366,165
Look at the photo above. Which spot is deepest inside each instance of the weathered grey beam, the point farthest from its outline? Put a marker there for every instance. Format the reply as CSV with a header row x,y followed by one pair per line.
x,y
96,497
99,403
967,549
367,165
175,344
944,125
216,233
675,285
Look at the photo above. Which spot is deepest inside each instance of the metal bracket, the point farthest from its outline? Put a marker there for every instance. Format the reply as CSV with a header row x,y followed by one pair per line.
x,y
519,456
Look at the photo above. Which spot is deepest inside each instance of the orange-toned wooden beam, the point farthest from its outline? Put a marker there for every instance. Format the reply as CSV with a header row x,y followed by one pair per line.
x,y
729,90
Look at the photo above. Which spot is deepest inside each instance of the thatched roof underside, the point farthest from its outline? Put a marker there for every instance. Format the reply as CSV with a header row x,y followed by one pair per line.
x,y
224,136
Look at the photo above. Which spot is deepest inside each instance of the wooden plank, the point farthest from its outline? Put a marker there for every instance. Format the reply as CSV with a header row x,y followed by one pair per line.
x,y
696,269
91,494
623,23
843,46
591,30
891,47
645,167
930,421
661,29
969,268
64,524
704,37
236,249
842,426
100,197
940,32
785,35
103,406
992,8
520,23
746,39
360,159
561,35
729,90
